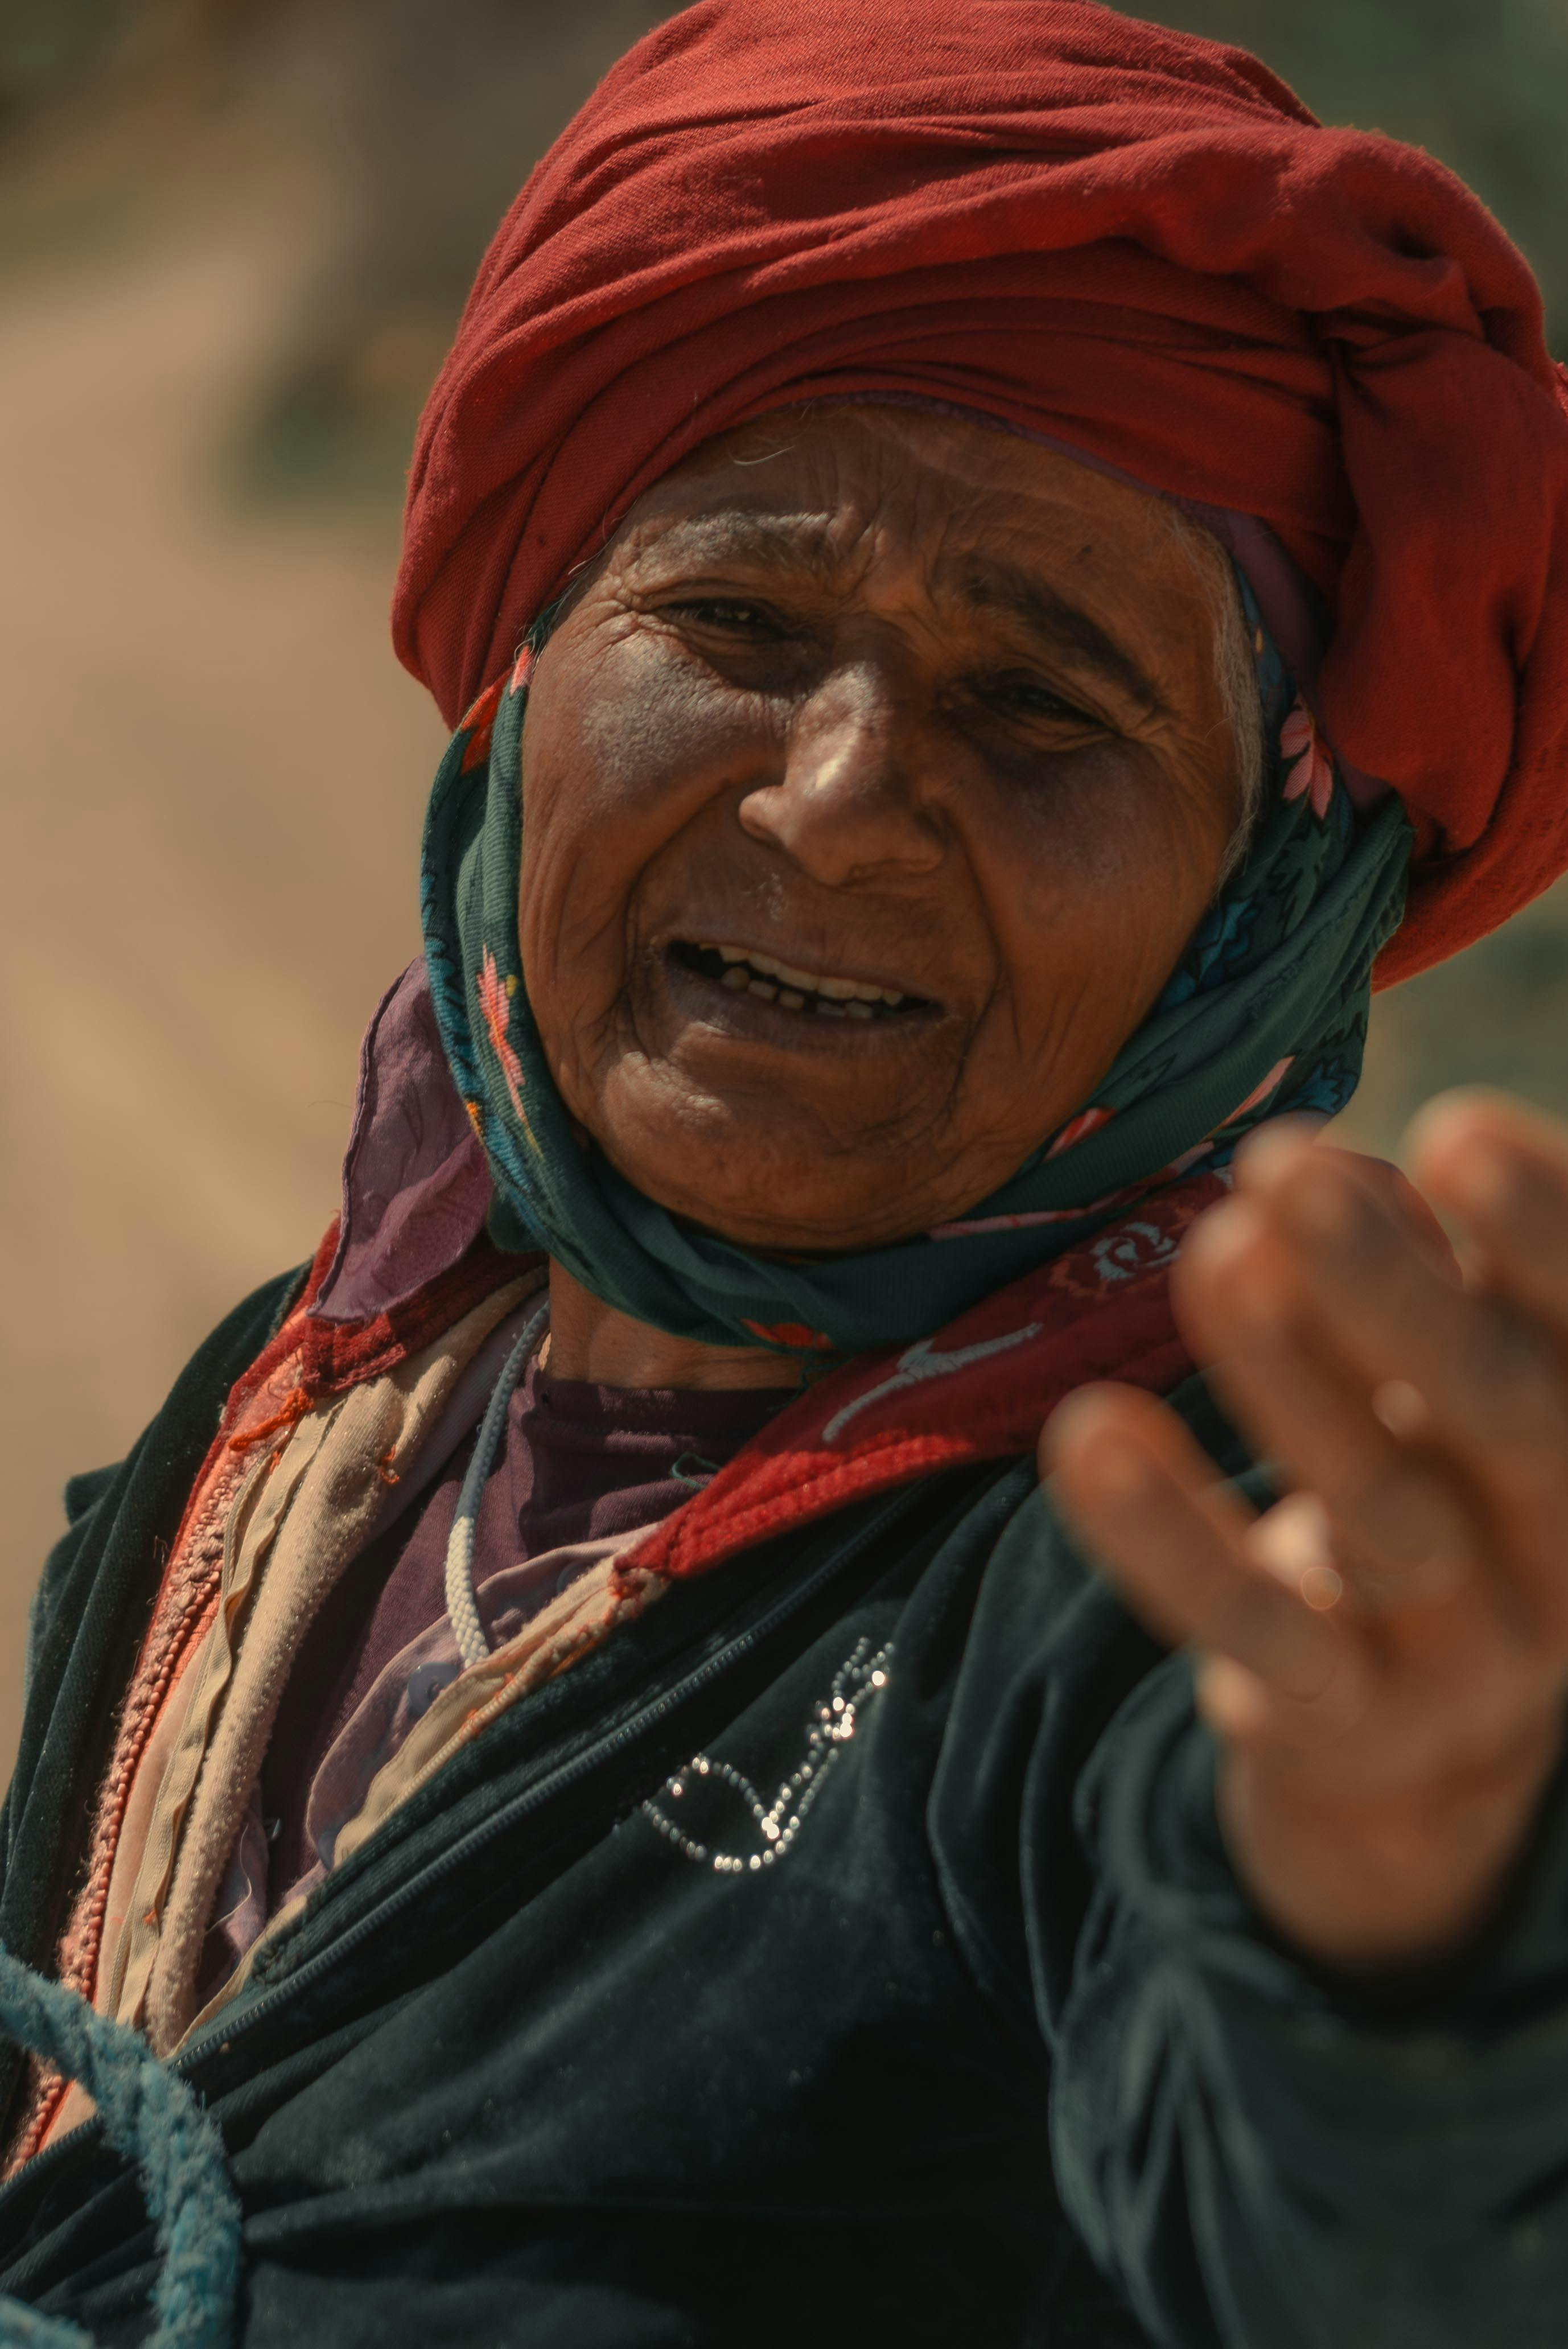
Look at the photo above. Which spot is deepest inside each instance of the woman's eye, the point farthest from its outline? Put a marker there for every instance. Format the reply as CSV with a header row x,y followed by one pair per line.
x,y
723,612
1027,698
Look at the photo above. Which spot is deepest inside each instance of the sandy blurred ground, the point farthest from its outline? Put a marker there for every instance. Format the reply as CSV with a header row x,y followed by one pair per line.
x,y
210,799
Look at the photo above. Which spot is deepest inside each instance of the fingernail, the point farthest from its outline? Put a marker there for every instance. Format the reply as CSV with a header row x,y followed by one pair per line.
x,y
1279,1144
1402,1408
1226,1232
1334,1212
1480,1181
1118,1472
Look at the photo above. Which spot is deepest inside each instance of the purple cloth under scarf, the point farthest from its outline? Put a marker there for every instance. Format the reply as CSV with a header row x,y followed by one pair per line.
x,y
416,1188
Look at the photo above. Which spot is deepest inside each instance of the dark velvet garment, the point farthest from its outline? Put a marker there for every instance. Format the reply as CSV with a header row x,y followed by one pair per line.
x,y
992,2050
579,1461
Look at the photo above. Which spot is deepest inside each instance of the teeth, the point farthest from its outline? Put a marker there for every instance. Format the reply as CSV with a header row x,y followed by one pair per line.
x,y
836,999
804,982
784,970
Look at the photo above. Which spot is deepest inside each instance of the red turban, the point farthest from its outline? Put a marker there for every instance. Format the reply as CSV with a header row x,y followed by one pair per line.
x,y
1135,241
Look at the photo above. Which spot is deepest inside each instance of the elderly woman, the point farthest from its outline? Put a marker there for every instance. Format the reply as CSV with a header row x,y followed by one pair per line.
x,y
992,578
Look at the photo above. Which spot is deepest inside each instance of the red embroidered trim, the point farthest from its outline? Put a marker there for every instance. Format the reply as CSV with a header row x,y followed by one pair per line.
x,y
981,1390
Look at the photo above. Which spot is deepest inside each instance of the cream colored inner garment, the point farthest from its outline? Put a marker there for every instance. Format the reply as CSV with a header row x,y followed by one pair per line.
x,y
298,1520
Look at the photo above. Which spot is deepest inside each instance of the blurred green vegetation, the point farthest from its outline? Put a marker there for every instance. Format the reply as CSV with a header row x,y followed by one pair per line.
x,y
433,113
44,44
419,119
1495,1016
1482,86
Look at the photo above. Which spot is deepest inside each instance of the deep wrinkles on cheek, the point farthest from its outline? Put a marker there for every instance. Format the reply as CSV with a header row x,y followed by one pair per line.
x,y
555,955
611,1038
567,930
1115,814
557,927
681,741
1049,1085
1055,1006
1070,1011
620,738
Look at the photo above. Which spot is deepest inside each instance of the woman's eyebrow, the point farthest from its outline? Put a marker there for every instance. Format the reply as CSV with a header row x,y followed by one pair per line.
x,y
1002,586
803,544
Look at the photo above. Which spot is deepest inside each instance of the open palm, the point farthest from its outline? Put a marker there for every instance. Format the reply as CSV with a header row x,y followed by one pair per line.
x,y
1384,1652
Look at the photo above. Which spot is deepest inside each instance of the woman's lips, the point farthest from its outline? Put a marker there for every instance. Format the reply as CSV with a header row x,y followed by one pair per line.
x,y
797,990
749,998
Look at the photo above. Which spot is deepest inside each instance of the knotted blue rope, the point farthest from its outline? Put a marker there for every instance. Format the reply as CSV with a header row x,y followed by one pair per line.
x,y
153,2116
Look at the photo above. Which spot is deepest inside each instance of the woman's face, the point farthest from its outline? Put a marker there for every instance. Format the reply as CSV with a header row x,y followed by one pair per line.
x,y
873,787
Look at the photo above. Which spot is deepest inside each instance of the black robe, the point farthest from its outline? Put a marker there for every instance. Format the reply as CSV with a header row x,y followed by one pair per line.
x,y
988,2049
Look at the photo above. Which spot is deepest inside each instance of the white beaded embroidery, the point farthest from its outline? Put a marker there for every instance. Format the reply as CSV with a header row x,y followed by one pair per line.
x,y
857,1681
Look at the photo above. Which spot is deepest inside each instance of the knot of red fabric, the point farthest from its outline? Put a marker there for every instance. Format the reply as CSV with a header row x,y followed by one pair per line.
x,y
1136,242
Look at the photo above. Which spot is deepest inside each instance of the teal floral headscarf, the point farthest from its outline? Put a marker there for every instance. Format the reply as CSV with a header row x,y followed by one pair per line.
x,y
1266,1013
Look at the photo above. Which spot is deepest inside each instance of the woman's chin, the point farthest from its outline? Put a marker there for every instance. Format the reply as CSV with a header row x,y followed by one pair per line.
x,y
788,1202
840,1227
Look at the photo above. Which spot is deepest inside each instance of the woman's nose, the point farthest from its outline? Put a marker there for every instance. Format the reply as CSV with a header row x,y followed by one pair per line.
x,y
859,797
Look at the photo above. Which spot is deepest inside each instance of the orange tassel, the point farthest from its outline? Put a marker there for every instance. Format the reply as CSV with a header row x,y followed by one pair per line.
x,y
289,1415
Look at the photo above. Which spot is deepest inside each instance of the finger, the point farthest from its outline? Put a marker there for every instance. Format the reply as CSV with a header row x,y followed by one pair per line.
x,y
1400,1532
1485,1379
1373,1291
1260,1154
1174,1538
1501,1170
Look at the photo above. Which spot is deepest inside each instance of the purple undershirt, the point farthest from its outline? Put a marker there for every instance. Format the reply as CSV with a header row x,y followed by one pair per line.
x,y
578,1462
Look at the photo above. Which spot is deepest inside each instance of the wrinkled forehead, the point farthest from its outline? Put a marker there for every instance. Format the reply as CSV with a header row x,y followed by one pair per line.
x,y
910,508
819,478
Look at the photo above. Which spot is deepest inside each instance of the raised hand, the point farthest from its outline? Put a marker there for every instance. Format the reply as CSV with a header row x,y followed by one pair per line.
x,y
1384,1653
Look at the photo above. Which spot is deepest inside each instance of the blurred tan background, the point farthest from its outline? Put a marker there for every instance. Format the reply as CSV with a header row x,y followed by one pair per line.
x,y
233,237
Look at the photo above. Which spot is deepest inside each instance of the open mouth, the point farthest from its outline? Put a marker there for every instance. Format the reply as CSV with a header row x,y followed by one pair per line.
x,y
811,994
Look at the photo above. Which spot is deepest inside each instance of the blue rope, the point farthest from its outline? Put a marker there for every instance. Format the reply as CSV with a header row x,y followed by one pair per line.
x,y
153,2116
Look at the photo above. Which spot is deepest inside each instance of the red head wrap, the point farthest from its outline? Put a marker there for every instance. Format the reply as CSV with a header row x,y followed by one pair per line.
x,y
1133,241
